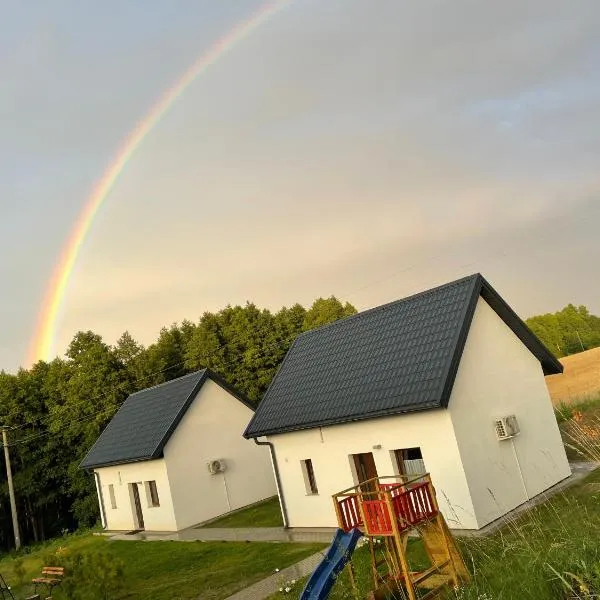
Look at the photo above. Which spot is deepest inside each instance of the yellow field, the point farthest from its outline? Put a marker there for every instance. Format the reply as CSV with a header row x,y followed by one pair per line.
x,y
580,379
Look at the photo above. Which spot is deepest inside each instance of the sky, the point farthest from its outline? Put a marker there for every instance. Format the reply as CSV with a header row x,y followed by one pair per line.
x,y
368,150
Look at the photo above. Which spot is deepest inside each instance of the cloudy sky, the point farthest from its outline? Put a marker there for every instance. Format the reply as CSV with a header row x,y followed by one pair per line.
x,y
367,149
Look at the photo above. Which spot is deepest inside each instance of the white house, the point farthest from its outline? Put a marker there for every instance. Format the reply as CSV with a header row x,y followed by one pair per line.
x,y
174,456
420,384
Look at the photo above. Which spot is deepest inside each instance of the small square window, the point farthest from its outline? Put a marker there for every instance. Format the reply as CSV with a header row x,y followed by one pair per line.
x,y
409,461
111,495
309,477
152,494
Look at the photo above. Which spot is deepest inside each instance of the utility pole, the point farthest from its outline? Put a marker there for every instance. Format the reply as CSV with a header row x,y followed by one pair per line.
x,y
11,489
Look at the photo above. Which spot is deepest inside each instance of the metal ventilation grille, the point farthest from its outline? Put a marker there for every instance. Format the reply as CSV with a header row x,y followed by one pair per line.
x,y
500,429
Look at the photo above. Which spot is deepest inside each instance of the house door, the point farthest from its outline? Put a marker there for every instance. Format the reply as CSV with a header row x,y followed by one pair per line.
x,y
364,465
137,505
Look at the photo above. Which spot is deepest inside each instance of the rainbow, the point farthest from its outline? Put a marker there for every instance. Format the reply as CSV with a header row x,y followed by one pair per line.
x,y
42,345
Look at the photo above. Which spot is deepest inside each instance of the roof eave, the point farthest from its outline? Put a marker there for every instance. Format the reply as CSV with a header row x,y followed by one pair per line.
x,y
125,461
345,420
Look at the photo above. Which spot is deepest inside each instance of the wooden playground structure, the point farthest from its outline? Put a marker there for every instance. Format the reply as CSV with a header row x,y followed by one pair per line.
x,y
394,509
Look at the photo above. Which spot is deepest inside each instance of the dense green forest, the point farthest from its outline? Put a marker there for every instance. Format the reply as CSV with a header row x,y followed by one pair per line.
x,y
58,409
568,331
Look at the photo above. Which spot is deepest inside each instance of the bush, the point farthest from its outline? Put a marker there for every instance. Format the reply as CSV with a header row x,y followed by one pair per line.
x,y
89,574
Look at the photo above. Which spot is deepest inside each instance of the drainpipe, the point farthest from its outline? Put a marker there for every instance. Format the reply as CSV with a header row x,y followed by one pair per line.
x,y
100,500
520,470
277,480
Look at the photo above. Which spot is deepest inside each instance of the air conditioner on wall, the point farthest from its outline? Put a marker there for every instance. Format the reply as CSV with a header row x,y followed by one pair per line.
x,y
216,466
506,427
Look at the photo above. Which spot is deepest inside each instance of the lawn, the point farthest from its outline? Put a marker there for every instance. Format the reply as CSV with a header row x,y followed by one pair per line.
x,y
265,514
163,570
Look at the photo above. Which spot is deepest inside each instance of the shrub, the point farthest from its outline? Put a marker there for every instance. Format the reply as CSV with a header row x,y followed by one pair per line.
x,y
89,574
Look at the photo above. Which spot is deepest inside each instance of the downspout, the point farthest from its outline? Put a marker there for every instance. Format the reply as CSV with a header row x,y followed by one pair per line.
x,y
100,499
277,480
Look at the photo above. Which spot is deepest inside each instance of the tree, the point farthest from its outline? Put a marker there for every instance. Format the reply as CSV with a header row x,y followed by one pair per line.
x,y
165,359
97,386
326,310
131,354
567,331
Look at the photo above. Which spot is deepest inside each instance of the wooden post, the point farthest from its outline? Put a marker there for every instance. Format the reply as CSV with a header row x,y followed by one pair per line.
x,y
352,577
338,512
11,490
399,549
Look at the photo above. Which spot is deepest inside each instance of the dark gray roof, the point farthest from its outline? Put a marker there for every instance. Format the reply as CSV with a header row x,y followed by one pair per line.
x,y
143,425
392,359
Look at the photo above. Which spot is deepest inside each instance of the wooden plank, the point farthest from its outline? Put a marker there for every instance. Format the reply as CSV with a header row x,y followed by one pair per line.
x,y
431,571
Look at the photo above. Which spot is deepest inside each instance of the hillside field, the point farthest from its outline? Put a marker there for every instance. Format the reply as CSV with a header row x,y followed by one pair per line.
x,y
580,379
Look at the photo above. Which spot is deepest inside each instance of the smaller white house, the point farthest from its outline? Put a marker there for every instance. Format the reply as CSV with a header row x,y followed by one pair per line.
x,y
448,381
173,456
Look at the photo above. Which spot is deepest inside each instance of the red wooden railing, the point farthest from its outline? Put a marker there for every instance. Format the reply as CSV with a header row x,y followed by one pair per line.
x,y
350,513
412,504
378,517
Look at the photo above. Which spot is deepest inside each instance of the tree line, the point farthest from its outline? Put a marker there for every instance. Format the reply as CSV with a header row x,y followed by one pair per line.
x,y
57,409
568,331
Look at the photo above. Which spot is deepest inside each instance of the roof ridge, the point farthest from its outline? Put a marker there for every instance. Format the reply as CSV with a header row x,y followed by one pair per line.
x,y
152,387
387,305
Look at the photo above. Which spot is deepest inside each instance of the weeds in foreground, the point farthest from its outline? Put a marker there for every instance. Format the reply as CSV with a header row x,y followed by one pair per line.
x,y
566,411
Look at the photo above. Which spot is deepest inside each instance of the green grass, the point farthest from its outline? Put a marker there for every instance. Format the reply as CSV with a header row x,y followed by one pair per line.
x,y
168,570
265,514
565,411
539,554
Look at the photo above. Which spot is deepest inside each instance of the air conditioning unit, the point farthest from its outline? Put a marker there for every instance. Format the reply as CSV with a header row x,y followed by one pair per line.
x,y
216,466
506,427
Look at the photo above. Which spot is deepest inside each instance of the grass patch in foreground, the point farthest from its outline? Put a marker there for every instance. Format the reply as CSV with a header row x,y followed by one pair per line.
x,y
265,514
549,553
165,570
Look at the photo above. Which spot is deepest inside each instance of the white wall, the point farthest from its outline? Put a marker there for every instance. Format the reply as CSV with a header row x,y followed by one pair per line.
x,y
329,449
497,376
211,429
159,518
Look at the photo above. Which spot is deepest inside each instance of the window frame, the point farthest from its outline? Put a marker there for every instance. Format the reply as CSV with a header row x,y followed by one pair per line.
x,y
310,479
401,457
111,496
152,496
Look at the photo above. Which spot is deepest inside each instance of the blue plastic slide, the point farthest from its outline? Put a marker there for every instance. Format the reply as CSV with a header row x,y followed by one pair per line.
x,y
338,554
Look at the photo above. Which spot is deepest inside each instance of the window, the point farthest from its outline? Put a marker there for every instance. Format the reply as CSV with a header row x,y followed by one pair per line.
x,y
152,494
309,477
111,495
409,461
